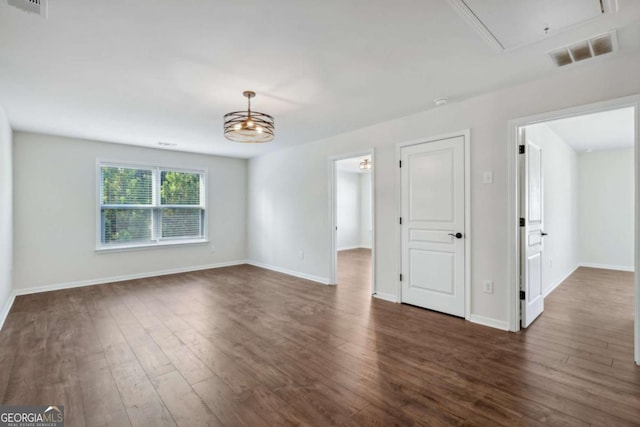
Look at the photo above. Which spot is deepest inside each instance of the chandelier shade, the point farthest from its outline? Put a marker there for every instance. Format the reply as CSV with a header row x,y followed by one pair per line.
x,y
249,126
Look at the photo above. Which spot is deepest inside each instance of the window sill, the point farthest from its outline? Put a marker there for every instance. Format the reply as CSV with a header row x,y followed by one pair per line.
x,y
164,244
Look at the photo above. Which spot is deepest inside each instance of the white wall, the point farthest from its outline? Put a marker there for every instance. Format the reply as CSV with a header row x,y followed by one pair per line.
x,y
560,252
348,210
353,205
288,194
606,204
6,215
365,210
55,213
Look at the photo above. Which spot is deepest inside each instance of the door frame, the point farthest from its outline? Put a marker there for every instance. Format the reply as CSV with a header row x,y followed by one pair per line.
x,y
513,232
466,135
333,214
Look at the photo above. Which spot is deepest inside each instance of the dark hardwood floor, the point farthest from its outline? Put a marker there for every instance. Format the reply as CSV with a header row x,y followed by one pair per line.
x,y
246,346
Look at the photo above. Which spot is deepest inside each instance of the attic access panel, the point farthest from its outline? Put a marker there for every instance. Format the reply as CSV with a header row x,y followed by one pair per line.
x,y
508,24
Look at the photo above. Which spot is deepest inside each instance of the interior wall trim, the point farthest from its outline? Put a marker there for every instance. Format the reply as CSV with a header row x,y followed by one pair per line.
x,y
6,309
386,297
348,248
102,281
607,266
323,280
559,282
486,321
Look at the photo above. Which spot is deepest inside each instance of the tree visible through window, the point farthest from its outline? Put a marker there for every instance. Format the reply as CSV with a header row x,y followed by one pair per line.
x,y
150,205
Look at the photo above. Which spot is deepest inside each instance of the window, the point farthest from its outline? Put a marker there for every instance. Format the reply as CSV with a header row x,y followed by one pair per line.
x,y
150,205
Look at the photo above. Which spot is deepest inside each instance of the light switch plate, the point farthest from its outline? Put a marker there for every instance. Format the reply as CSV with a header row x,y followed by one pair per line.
x,y
487,286
487,177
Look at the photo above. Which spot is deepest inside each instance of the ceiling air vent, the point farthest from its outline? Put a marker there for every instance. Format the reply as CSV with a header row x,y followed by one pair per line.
x,y
599,45
31,6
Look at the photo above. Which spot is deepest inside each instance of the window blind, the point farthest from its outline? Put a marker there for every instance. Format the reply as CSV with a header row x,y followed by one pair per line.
x,y
181,223
126,186
179,188
150,205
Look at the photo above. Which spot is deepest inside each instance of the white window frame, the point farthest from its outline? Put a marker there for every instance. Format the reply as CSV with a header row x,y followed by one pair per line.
x,y
156,207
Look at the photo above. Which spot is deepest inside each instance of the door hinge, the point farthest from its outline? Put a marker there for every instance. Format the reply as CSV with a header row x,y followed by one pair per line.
x,y
401,277
521,222
400,220
521,149
522,295
400,163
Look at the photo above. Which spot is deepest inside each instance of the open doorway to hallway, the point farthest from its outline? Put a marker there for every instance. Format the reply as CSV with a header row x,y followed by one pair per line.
x,y
577,235
353,223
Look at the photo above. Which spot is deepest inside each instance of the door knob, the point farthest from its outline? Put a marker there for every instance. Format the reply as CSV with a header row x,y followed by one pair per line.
x,y
542,233
457,235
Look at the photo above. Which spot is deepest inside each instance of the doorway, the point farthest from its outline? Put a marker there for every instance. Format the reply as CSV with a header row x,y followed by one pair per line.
x,y
352,222
434,223
574,207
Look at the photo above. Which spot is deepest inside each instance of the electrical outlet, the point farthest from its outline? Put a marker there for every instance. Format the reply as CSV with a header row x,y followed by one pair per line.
x,y
213,248
487,286
487,177
301,254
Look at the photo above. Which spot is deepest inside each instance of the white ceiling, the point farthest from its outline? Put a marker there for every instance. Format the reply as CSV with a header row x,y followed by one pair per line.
x,y
158,70
608,130
352,165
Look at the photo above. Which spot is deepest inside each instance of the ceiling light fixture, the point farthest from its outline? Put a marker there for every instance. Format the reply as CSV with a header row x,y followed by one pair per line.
x,y
365,165
248,126
441,101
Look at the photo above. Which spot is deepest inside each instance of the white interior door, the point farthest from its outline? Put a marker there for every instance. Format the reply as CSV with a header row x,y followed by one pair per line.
x,y
433,225
532,302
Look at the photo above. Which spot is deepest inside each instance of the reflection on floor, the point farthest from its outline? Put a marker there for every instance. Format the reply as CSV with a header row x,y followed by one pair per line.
x,y
588,320
354,271
247,346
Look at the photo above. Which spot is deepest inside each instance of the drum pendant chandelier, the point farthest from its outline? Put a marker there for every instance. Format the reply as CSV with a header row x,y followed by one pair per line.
x,y
248,126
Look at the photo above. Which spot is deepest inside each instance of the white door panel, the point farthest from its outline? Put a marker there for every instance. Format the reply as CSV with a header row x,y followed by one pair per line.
x,y
534,183
531,235
431,202
432,270
432,193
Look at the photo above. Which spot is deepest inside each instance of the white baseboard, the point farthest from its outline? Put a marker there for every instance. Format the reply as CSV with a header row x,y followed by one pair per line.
x,y
348,248
6,309
487,321
102,281
386,297
607,266
555,285
311,277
